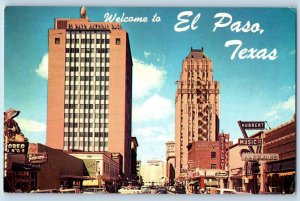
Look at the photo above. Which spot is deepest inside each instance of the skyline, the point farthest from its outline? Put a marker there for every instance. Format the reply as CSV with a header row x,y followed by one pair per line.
x,y
157,66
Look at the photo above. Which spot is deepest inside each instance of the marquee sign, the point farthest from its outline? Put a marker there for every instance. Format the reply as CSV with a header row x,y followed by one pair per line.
x,y
260,157
221,175
250,141
37,158
17,147
223,151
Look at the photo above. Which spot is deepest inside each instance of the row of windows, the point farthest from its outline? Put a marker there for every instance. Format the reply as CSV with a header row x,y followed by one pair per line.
x,y
86,125
87,69
84,97
87,50
91,144
90,115
87,87
86,134
87,106
87,41
85,78
87,59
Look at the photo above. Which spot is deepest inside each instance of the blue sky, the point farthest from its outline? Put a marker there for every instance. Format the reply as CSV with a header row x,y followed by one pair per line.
x,y
251,89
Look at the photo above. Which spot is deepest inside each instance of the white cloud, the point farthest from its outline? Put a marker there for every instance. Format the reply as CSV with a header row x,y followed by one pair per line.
x,y
154,108
146,78
287,88
288,105
30,125
146,54
271,113
162,138
42,70
292,52
148,131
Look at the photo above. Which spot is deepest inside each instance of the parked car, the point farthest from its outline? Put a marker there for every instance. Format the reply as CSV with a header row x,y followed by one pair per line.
x,y
161,190
172,189
46,191
145,189
180,190
225,191
70,190
126,190
94,191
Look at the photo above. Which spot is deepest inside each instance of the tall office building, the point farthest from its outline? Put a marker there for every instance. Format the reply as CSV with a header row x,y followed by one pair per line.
x,y
197,106
90,87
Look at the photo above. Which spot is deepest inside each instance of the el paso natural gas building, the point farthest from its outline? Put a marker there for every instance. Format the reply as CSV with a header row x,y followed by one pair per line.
x,y
90,88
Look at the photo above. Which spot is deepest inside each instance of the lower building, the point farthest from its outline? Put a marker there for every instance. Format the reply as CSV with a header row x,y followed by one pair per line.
x,y
204,165
134,146
44,168
281,175
170,163
153,173
102,168
266,176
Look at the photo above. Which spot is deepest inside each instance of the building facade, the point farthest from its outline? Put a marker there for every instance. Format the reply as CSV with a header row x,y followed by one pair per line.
x,y
153,172
90,87
134,146
274,176
204,155
197,106
170,163
102,168
281,175
42,169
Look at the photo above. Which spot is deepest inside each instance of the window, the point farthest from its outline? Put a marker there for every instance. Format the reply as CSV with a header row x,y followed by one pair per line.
x,y
118,41
213,154
57,40
213,166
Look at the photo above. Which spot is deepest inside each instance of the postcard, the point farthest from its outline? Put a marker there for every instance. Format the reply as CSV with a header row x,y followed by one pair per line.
x,y
149,100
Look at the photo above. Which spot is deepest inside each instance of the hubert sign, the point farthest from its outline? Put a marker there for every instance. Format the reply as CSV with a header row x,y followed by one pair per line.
x,y
252,125
260,157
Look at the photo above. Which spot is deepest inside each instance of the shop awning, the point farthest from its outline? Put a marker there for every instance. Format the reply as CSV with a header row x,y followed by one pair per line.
x,y
24,167
76,177
94,182
287,173
282,173
194,182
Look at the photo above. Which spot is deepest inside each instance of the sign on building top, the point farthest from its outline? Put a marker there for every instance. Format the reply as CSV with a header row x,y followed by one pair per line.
x,y
253,125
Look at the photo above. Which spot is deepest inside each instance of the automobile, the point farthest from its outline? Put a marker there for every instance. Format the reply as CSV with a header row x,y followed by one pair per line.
x,y
126,190
70,190
45,191
180,190
94,191
145,189
211,190
172,189
225,191
161,190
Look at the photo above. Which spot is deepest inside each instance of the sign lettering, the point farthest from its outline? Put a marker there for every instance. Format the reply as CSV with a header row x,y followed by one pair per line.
x,y
260,157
